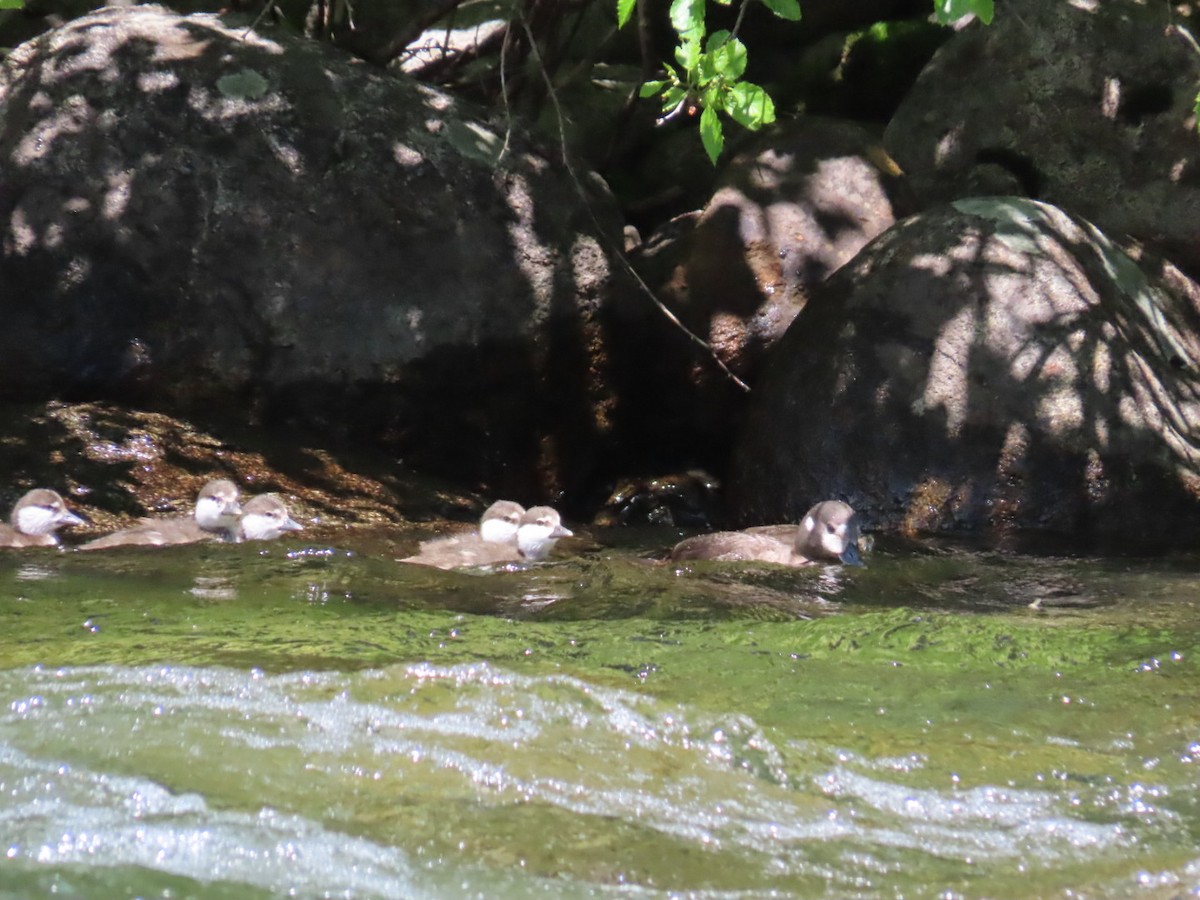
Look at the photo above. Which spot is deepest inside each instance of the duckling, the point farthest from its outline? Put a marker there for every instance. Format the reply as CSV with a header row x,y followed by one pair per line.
x,y
497,525
539,530
829,532
35,518
264,518
500,522
215,518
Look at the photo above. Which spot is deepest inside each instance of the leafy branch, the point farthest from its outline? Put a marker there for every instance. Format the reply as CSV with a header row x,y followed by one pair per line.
x,y
707,77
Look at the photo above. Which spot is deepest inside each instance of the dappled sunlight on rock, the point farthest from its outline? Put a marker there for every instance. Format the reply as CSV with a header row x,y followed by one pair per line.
x,y
1041,379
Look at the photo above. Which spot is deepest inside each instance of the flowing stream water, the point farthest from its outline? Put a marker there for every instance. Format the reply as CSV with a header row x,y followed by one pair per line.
x,y
313,719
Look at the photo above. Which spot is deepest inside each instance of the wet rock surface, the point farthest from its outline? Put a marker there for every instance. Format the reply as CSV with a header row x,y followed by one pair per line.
x,y
115,464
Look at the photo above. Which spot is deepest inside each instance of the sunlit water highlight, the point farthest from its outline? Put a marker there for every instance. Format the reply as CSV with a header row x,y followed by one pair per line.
x,y
595,728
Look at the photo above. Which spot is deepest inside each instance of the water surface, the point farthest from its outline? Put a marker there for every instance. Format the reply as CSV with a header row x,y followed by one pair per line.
x,y
314,719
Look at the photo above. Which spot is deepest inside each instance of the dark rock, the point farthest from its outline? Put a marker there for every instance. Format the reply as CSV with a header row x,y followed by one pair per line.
x,y
801,201
684,498
798,204
987,367
863,75
205,219
1086,106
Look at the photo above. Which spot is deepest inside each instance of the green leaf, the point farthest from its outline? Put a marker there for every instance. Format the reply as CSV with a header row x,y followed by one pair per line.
x,y
728,55
245,84
750,106
687,54
650,88
785,9
673,97
948,11
687,18
12,4
624,11
715,40
711,134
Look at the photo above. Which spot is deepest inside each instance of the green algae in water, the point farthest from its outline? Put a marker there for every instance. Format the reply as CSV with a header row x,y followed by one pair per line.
x,y
214,720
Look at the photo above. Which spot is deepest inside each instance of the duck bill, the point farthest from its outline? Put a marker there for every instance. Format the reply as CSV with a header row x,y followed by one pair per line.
x,y
850,557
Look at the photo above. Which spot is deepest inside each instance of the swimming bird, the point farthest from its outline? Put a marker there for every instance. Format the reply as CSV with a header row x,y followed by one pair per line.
x,y
539,530
264,518
500,522
35,518
215,518
497,525
829,532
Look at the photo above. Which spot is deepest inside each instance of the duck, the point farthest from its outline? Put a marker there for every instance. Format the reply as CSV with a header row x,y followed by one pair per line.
x,y
35,518
216,517
264,518
829,532
500,522
497,525
539,530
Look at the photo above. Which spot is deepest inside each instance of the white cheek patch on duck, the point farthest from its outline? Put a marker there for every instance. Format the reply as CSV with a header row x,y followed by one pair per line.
x,y
269,527
213,514
809,526
499,531
36,520
833,539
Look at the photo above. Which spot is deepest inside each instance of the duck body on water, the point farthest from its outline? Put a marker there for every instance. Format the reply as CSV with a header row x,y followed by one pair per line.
x,y
829,532
215,518
219,516
537,531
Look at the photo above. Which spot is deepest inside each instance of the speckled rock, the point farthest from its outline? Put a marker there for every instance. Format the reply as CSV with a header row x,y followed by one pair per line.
x,y
1088,106
799,202
987,367
201,218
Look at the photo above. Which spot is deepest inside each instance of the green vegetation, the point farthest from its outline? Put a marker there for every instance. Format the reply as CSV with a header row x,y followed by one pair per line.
x,y
708,76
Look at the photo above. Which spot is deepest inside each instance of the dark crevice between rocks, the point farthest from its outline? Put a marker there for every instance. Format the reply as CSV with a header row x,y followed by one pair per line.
x,y
1016,164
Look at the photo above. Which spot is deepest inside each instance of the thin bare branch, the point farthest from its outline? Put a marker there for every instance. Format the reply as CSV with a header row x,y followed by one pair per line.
x,y
616,251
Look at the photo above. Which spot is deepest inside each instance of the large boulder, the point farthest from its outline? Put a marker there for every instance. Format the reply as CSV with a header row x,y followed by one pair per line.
x,y
987,367
799,202
198,217
1089,106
